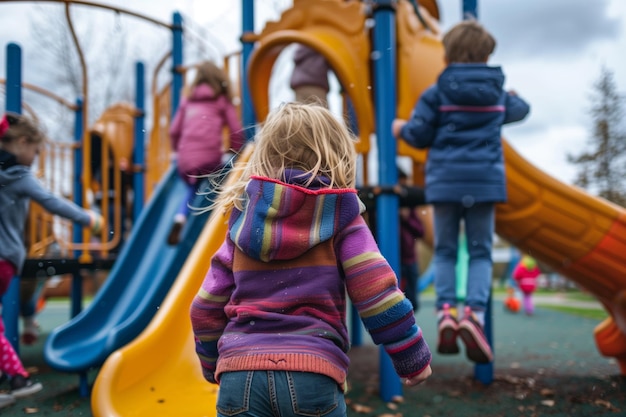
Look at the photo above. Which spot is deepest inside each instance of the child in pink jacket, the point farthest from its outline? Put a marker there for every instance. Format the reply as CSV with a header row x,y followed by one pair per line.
x,y
196,133
525,274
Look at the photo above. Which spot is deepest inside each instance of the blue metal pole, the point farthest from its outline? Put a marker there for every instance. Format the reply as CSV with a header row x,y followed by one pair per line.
x,y
482,372
13,103
247,111
77,230
470,9
139,137
387,206
356,325
177,60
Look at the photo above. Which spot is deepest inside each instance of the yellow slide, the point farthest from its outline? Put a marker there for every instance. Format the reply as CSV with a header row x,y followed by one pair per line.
x,y
158,374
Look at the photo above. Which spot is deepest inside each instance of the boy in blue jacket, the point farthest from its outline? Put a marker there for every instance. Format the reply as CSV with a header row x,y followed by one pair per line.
x,y
460,119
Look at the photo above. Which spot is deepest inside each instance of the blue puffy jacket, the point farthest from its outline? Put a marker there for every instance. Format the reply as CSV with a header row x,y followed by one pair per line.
x,y
460,119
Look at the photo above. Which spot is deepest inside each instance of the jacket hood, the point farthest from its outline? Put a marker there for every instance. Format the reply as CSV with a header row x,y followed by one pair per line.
x,y
10,170
202,92
472,84
283,220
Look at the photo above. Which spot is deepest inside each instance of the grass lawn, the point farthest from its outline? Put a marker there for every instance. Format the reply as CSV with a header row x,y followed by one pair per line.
x,y
589,313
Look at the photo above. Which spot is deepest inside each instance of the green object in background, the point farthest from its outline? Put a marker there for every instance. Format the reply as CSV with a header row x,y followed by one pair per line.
x,y
462,260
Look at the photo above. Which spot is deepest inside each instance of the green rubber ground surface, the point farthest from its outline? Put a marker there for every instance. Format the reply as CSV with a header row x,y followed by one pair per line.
x,y
546,365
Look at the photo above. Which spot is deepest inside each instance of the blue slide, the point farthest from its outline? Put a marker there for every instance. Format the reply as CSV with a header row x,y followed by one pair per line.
x,y
137,284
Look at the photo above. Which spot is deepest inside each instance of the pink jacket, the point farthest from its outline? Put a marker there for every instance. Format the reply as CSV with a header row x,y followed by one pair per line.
x,y
196,131
526,278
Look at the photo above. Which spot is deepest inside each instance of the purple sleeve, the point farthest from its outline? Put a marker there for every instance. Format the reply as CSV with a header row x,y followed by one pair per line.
x,y
208,318
373,289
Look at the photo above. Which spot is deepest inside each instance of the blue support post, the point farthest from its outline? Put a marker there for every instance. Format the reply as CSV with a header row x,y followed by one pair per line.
x,y
77,230
482,372
387,205
247,110
470,9
356,325
177,60
13,103
139,138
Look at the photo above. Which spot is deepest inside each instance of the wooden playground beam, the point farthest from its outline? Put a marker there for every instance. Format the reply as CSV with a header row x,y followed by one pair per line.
x,y
45,93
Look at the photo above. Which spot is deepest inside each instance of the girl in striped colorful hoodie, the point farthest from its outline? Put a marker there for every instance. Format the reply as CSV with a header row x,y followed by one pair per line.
x,y
270,317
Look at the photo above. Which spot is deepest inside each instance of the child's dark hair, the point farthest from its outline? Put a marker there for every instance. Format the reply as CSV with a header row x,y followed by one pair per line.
x,y
14,126
468,42
212,75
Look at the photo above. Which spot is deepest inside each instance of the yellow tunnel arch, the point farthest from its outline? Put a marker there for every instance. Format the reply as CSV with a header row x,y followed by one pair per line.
x,y
336,30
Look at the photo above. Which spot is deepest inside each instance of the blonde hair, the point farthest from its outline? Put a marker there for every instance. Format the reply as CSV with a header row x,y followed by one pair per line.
x,y
306,137
21,126
212,75
468,42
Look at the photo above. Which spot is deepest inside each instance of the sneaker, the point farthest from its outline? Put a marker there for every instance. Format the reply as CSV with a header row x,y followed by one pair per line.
x,y
174,237
22,386
30,333
6,400
476,344
448,328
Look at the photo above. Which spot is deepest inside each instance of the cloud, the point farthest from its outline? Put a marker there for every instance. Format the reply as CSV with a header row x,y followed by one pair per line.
x,y
537,29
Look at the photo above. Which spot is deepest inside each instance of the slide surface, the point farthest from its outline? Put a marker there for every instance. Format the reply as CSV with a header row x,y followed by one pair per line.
x,y
136,285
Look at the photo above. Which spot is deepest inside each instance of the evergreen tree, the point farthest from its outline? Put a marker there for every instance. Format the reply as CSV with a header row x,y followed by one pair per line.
x,y
602,167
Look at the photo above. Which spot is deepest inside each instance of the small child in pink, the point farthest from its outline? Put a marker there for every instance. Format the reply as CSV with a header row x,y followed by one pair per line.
x,y
525,274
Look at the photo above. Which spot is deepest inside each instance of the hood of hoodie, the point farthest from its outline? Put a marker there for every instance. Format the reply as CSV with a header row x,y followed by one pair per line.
x,y
202,92
283,220
10,170
472,84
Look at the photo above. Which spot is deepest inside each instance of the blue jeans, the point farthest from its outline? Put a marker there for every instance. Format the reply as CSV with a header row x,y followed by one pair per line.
x,y
279,393
184,208
479,222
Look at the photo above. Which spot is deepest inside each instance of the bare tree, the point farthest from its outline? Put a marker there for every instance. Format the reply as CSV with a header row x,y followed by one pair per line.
x,y
602,167
110,70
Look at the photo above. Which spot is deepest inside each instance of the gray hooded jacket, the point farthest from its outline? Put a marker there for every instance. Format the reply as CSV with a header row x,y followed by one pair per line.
x,y
18,186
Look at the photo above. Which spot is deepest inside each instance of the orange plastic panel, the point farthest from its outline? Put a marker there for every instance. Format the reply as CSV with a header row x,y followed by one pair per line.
x,y
159,149
334,28
116,123
420,60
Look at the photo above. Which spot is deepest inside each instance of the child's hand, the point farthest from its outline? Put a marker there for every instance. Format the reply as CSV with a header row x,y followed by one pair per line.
x,y
418,379
512,92
396,127
97,222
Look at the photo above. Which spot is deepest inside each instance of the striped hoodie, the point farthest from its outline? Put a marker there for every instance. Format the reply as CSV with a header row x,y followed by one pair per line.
x,y
274,297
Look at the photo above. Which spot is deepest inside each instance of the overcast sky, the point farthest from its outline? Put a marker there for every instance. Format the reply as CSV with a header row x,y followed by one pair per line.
x,y
551,52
